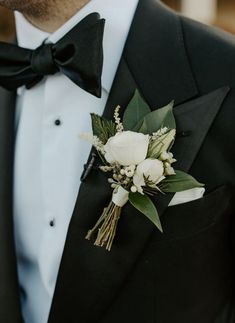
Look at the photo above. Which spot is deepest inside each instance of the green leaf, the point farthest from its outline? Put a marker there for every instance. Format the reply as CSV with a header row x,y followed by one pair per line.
x,y
157,119
135,111
143,128
102,128
144,204
179,182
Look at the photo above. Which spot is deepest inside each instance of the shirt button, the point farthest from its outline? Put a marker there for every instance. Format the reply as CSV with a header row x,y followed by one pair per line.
x,y
57,122
52,223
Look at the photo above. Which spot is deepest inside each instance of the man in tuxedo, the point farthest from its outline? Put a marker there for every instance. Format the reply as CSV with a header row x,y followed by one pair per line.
x,y
48,271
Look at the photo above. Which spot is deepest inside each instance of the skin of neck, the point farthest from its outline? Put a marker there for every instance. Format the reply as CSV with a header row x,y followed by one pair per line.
x,y
55,14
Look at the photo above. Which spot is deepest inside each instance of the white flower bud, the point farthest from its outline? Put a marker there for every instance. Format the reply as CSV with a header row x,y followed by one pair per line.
x,y
129,173
165,156
115,176
133,189
169,171
167,165
132,167
173,160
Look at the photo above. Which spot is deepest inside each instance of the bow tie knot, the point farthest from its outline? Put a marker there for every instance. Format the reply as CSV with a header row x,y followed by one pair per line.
x,y
42,60
78,55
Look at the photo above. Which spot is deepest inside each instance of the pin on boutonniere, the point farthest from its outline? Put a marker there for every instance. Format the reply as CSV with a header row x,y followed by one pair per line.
x,y
136,153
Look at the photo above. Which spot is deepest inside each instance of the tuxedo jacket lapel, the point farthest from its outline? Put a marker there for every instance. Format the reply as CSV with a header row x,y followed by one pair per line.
x,y
193,121
90,277
9,290
156,55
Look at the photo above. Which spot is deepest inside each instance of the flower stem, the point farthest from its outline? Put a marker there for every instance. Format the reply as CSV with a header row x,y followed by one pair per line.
x,y
106,227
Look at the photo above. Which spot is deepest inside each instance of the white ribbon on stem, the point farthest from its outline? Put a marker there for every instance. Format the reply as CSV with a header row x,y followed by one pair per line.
x,y
120,196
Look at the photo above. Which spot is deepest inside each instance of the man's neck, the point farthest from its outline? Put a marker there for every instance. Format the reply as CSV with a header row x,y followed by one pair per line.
x,y
55,14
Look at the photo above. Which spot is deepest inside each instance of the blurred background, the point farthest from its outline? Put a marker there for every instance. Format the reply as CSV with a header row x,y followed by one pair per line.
x,y
220,13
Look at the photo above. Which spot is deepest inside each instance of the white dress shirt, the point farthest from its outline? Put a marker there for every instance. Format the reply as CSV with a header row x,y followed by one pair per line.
x,y
49,155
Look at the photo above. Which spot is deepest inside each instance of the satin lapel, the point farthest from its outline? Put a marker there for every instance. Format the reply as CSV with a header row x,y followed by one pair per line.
x,y
193,121
9,289
123,89
157,57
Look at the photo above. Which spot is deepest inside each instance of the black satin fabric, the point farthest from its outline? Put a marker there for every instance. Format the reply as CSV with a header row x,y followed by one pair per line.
x,y
78,55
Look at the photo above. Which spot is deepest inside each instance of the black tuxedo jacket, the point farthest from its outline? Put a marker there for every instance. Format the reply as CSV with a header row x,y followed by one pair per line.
x,y
185,275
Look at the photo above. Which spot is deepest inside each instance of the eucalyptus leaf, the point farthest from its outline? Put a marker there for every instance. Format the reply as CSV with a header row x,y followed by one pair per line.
x,y
181,181
135,111
144,204
102,128
157,119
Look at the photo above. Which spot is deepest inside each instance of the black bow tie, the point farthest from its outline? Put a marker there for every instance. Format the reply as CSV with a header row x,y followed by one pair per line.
x,y
78,55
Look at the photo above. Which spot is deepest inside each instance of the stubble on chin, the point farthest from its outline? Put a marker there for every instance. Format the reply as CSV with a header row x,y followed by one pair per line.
x,y
31,8
48,15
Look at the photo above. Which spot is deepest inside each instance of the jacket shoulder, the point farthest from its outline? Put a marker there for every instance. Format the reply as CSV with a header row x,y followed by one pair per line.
x,y
211,52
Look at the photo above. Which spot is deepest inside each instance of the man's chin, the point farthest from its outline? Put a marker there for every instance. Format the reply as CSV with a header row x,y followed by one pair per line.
x,y
28,7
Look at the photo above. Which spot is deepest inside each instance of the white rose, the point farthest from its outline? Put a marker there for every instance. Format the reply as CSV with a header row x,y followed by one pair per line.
x,y
152,169
127,148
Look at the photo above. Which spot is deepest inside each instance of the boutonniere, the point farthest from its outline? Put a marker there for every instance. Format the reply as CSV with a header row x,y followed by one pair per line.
x,y
136,154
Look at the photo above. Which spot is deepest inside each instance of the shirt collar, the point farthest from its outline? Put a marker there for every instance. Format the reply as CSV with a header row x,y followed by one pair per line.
x,y
118,15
